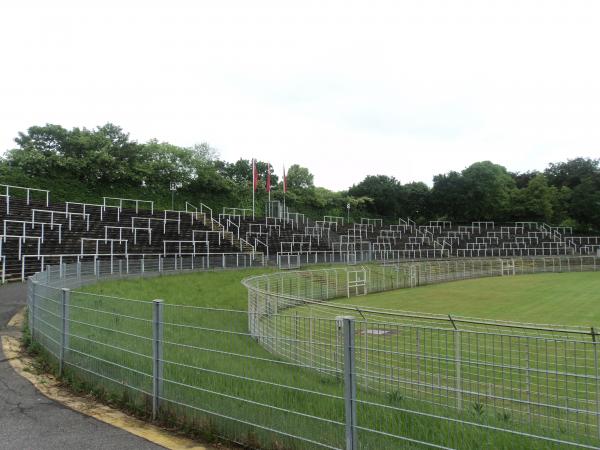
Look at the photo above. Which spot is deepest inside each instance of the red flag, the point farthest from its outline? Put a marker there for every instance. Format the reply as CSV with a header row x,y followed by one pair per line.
x,y
268,177
284,181
254,175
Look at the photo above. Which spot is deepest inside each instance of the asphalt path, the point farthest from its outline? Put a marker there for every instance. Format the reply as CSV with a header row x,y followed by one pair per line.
x,y
29,420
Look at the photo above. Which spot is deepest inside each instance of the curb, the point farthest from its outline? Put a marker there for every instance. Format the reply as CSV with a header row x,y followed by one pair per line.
x,y
50,387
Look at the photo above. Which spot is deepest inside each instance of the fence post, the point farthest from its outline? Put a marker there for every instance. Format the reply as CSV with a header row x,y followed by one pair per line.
x,y
275,330
366,345
457,363
528,360
418,357
157,357
64,328
32,309
311,350
350,383
597,376
297,336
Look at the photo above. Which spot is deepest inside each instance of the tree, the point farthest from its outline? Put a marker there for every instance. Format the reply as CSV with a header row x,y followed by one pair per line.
x,y
572,172
240,172
299,178
39,151
578,181
384,192
522,179
487,191
205,153
83,164
414,200
482,191
536,201
585,205
103,155
447,197
561,204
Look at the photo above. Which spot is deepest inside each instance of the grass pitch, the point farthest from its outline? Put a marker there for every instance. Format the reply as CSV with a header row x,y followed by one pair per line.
x,y
549,298
217,370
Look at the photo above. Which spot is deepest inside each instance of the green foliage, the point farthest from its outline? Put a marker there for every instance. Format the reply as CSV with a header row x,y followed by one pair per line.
x,y
572,172
84,165
536,201
105,155
566,193
585,203
487,191
414,200
523,179
299,178
385,192
390,199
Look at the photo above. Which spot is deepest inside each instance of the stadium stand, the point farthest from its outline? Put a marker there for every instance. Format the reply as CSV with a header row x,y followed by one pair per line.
x,y
37,232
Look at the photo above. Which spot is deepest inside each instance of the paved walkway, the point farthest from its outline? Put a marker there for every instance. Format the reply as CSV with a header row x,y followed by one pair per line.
x,y
28,420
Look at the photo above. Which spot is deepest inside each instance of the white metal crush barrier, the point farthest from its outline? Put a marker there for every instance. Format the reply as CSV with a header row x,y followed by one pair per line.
x,y
28,192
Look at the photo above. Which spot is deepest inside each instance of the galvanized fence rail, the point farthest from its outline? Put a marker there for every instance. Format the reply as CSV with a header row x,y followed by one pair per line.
x,y
294,371
536,379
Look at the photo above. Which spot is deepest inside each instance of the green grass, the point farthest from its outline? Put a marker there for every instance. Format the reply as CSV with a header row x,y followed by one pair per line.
x,y
561,298
197,359
220,289
502,369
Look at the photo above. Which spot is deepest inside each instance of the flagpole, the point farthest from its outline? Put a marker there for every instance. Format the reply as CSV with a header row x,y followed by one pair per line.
x,y
269,209
253,185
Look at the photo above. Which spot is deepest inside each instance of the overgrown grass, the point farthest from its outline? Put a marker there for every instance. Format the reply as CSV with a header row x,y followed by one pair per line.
x,y
215,370
540,379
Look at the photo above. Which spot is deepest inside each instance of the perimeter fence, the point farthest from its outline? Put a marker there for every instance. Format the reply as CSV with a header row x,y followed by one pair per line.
x,y
289,373
532,378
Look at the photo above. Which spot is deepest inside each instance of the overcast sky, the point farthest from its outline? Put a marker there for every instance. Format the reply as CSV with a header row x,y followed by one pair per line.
x,y
403,88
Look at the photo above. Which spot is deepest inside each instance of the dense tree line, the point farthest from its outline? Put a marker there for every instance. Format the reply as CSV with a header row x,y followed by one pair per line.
x,y
82,164
566,193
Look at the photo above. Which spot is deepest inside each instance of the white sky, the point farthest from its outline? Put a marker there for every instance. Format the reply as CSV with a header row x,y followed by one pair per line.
x,y
403,88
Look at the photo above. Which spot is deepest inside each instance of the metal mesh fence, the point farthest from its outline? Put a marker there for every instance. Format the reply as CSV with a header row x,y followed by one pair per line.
x,y
291,372
536,379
